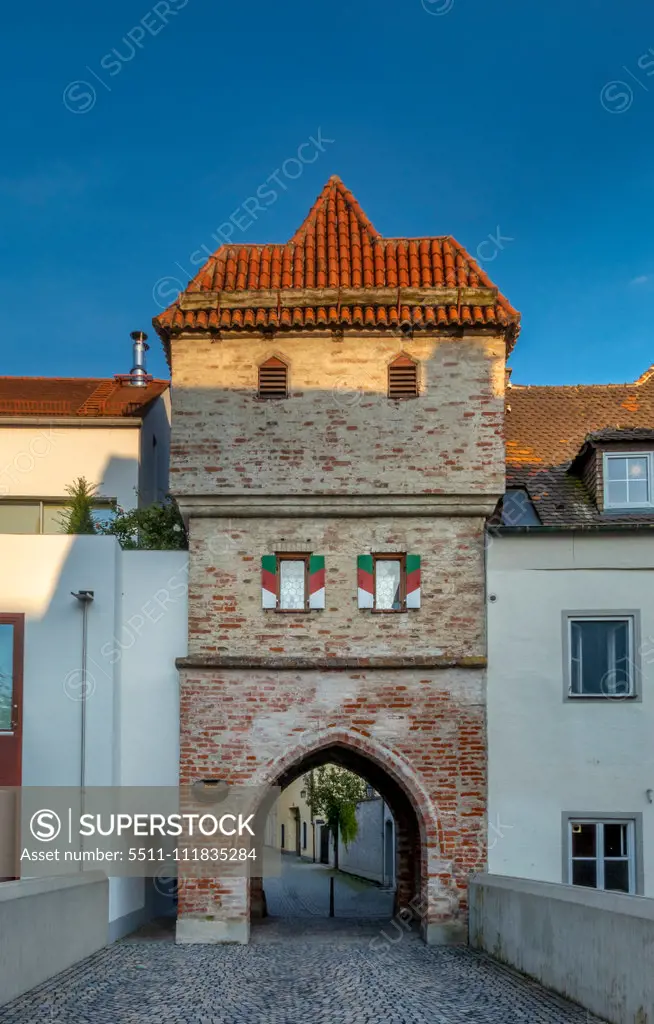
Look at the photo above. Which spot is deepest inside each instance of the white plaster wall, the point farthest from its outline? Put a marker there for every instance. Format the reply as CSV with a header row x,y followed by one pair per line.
x,y
155,458
40,461
547,755
137,626
151,633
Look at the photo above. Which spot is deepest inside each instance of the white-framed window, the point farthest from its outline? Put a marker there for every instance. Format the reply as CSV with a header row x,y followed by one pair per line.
x,y
601,656
602,854
628,479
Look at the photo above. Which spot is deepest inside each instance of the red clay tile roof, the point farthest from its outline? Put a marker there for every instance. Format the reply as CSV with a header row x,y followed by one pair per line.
x,y
75,396
546,427
353,277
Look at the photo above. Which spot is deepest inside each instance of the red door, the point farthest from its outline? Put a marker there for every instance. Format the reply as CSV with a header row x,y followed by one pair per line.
x,y
11,698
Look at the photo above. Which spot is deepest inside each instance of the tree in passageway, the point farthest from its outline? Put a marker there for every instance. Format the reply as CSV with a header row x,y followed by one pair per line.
x,y
334,793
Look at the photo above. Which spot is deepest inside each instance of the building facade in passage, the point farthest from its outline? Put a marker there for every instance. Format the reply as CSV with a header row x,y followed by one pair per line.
x,y
337,446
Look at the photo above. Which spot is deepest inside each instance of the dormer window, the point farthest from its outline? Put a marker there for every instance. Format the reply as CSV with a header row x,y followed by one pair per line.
x,y
628,480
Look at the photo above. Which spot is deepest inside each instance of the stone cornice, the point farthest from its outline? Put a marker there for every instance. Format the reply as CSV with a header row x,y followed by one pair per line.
x,y
272,298
321,664
262,506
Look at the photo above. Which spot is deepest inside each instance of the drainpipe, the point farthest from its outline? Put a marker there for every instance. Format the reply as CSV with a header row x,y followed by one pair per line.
x,y
84,597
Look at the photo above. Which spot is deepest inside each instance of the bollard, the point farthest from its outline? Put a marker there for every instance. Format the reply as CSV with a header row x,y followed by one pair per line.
x,y
331,895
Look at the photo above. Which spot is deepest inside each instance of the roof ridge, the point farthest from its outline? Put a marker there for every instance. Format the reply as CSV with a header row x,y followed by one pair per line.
x,y
334,187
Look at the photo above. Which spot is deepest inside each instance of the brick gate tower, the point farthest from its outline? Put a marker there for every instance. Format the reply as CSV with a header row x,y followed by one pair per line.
x,y
337,445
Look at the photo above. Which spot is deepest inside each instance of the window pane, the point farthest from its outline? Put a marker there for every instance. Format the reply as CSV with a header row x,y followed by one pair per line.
x,y
637,469
617,493
15,518
584,872
388,574
615,840
617,469
600,657
583,840
291,583
638,491
51,516
616,875
6,674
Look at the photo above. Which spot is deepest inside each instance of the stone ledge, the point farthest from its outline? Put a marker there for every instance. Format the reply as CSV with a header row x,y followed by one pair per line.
x,y
290,664
258,505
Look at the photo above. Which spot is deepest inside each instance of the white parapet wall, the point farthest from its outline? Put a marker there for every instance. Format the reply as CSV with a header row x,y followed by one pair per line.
x,y
46,926
592,947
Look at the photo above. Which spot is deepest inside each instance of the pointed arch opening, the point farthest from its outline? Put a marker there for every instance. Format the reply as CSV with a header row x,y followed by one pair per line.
x,y
407,824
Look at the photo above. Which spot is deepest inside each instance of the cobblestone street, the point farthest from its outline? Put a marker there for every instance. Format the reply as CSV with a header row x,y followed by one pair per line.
x,y
302,890
358,968
334,976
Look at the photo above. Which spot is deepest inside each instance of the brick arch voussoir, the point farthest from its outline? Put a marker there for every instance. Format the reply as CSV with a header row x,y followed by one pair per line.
x,y
384,758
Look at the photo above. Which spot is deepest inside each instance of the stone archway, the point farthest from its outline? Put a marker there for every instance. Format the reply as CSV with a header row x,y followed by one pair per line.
x,y
423,889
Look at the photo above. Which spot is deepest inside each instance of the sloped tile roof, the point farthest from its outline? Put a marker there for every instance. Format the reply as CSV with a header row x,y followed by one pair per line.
x,y
337,270
546,428
75,396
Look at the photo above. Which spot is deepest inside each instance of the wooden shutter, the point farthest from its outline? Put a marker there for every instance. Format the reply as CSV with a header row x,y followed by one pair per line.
x,y
273,379
316,581
365,589
413,581
403,378
269,581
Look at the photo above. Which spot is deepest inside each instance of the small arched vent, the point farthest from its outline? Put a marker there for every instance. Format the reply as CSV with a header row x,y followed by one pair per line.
x,y
273,379
403,378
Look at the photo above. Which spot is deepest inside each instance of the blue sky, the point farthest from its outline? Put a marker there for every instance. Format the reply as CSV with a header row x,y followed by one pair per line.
x,y
453,117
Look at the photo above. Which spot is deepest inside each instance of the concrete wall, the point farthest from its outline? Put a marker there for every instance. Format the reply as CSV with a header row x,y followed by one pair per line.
x,y
40,461
547,755
593,947
46,926
136,629
337,432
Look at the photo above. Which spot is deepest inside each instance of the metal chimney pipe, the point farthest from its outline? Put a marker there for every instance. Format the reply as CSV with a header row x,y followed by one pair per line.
x,y
138,373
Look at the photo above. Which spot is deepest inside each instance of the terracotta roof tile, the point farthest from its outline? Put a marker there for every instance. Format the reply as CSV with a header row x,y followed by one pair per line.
x,y
75,396
337,248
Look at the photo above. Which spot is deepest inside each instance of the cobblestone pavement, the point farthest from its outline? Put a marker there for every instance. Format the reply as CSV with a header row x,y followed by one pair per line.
x,y
339,975
302,890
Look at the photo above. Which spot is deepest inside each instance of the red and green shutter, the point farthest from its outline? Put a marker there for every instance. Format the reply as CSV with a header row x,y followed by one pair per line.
x,y
316,581
269,581
365,588
413,581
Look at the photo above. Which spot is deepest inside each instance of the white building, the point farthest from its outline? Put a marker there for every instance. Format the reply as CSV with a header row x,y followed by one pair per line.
x,y
89,633
571,640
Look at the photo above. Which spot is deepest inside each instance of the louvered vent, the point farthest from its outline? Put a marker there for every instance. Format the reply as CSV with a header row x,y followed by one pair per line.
x,y
273,379
403,378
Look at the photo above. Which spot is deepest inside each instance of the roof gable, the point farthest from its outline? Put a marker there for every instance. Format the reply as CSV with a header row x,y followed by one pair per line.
x,y
338,271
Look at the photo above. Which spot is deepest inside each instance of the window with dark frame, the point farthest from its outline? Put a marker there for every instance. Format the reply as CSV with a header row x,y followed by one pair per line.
x,y
389,583
602,854
11,670
273,379
403,378
601,657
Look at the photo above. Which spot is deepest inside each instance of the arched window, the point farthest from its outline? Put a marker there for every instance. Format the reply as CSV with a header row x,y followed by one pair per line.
x,y
273,379
403,378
